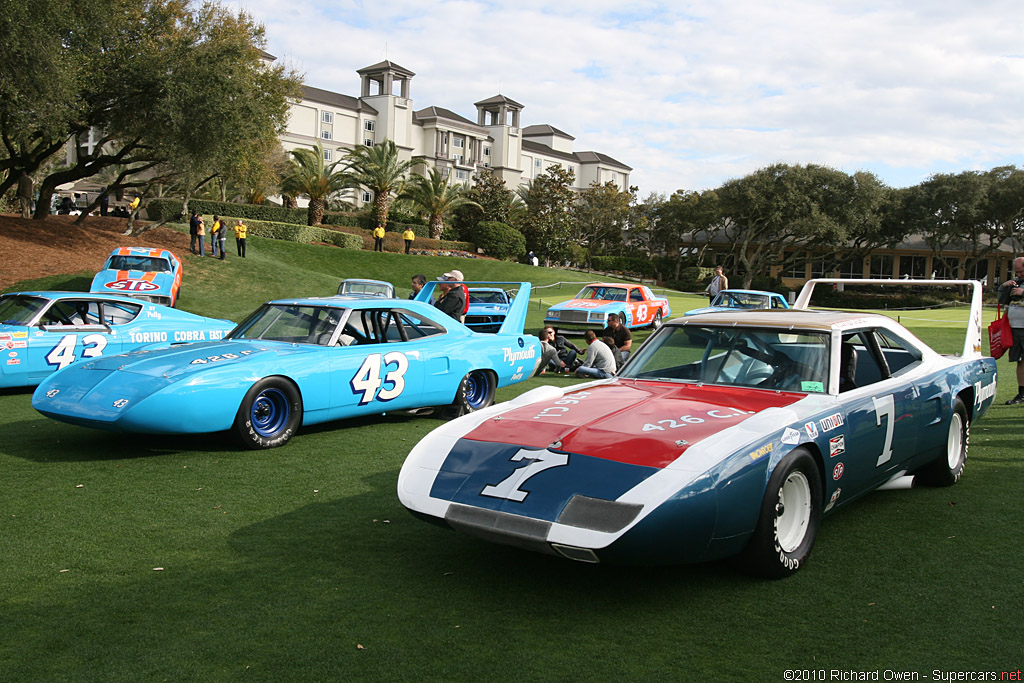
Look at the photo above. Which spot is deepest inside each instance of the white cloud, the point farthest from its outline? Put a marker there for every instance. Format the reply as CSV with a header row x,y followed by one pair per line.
x,y
691,94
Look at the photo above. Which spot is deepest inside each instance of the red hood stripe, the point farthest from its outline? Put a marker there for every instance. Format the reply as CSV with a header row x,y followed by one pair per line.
x,y
642,423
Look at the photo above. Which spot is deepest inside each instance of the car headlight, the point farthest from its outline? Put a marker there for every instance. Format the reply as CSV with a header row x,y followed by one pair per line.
x,y
553,314
598,316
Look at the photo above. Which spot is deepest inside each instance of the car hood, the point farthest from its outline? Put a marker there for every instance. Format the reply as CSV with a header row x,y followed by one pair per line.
x,y
709,309
183,360
588,304
488,308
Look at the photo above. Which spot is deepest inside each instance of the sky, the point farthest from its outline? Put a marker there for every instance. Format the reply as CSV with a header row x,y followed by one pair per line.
x,y
692,94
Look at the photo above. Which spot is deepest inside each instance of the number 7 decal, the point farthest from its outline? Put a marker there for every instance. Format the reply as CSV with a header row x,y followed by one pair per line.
x,y
885,406
509,488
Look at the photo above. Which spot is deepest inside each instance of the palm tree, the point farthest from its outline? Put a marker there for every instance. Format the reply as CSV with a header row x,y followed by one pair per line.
x,y
311,177
436,198
379,170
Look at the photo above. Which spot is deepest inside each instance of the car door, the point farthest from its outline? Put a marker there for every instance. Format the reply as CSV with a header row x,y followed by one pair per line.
x,y
72,330
877,430
378,364
639,308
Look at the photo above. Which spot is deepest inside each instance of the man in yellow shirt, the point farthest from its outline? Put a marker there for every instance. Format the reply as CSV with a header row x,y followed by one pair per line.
x,y
378,238
240,232
408,236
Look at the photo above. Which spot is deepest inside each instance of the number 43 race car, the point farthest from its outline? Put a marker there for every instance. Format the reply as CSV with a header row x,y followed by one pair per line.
x,y
725,434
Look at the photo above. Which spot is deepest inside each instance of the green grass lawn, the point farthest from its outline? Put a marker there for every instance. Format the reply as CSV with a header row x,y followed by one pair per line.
x,y
136,558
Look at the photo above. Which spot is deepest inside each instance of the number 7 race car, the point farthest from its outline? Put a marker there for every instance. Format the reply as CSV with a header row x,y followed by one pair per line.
x,y
299,362
725,433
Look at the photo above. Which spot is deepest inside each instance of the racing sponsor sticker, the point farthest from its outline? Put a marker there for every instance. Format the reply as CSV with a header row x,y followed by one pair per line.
x,y
790,436
513,356
12,354
14,361
761,452
837,471
831,422
832,500
130,285
811,429
837,445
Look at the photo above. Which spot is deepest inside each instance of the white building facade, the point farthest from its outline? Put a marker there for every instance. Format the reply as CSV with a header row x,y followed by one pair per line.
x,y
459,147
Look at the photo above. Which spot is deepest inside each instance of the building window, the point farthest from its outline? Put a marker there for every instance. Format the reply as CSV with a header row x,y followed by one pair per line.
x,y
327,155
462,175
458,142
797,269
325,134
912,267
981,271
536,163
818,268
881,266
368,142
368,125
327,117
487,151
947,268
366,196
852,268
458,158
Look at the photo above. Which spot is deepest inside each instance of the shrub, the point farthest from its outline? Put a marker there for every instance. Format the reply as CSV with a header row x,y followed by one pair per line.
x,y
638,266
499,240
297,233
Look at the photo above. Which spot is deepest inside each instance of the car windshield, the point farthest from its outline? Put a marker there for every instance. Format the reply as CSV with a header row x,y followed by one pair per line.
x,y
149,264
477,297
365,289
290,323
602,293
20,309
740,300
765,358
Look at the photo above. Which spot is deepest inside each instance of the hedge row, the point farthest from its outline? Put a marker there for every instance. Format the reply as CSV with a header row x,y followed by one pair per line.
x,y
298,233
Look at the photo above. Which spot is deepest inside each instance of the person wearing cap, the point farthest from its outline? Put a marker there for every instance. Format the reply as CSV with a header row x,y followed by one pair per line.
x,y
453,299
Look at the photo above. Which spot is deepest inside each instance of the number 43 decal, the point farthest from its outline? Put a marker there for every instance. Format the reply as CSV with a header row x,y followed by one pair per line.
x,y
368,377
63,353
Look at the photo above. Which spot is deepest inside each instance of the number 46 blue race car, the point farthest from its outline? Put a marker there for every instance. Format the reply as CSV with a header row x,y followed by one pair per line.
x,y
299,362
725,434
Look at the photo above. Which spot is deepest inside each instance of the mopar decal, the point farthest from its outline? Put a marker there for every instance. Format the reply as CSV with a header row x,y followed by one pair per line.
x,y
508,489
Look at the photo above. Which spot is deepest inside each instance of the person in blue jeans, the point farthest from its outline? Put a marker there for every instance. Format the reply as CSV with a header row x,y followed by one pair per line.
x,y
599,363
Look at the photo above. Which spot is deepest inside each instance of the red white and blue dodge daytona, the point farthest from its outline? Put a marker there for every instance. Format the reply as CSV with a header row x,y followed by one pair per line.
x,y
725,434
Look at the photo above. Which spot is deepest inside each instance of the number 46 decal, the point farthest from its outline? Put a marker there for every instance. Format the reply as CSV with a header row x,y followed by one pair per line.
x,y
368,377
64,352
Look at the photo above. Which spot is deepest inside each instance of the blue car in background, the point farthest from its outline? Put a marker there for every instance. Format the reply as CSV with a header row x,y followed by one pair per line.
x,y
297,362
141,273
739,299
361,287
41,332
488,307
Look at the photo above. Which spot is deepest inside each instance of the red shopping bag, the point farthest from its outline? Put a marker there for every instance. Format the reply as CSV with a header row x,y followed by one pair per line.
x,y
1000,338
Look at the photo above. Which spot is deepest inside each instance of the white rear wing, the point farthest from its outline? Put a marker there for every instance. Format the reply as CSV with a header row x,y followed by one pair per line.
x,y
972,343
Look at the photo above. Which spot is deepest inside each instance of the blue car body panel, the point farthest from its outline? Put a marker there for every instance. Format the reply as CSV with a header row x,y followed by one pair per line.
x,y
65,327
199,388
742,299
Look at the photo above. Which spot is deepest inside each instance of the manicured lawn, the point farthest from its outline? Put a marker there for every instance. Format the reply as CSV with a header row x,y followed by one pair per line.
x,y
183,558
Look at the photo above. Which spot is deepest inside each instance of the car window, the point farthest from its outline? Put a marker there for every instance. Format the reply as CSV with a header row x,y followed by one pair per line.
x,y
476,297
748,357
73,312
859,361
900,355
291,323
149,264
636,295
120,313
19,309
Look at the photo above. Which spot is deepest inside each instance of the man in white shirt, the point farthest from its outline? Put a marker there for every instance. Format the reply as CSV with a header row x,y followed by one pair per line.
x,y
599,362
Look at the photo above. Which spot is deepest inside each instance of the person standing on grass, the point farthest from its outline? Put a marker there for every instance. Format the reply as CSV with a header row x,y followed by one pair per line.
x,y
718,283
215,236
378,238
240,231
201,234
418,281
1011,295
193,230
408,236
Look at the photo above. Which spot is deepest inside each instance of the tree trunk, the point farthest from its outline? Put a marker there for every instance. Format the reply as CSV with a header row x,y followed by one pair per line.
x,y
436,227
315,215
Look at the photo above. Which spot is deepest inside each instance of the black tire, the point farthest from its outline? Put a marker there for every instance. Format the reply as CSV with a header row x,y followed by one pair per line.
x,y
269,414
789,520
657,320
475,392
946,469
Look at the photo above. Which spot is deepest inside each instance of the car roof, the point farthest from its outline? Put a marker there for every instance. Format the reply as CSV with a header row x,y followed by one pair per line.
x,y
789,318
140,251
58,295
760,292
363,279
346,301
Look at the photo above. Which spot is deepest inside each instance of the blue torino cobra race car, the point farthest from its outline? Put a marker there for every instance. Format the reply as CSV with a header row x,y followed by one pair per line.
x,y
142,273
298,362
724,434
41,332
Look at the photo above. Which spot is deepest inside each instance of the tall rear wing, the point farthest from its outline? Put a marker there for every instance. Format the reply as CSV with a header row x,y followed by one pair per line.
x,y
972,343
515,320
